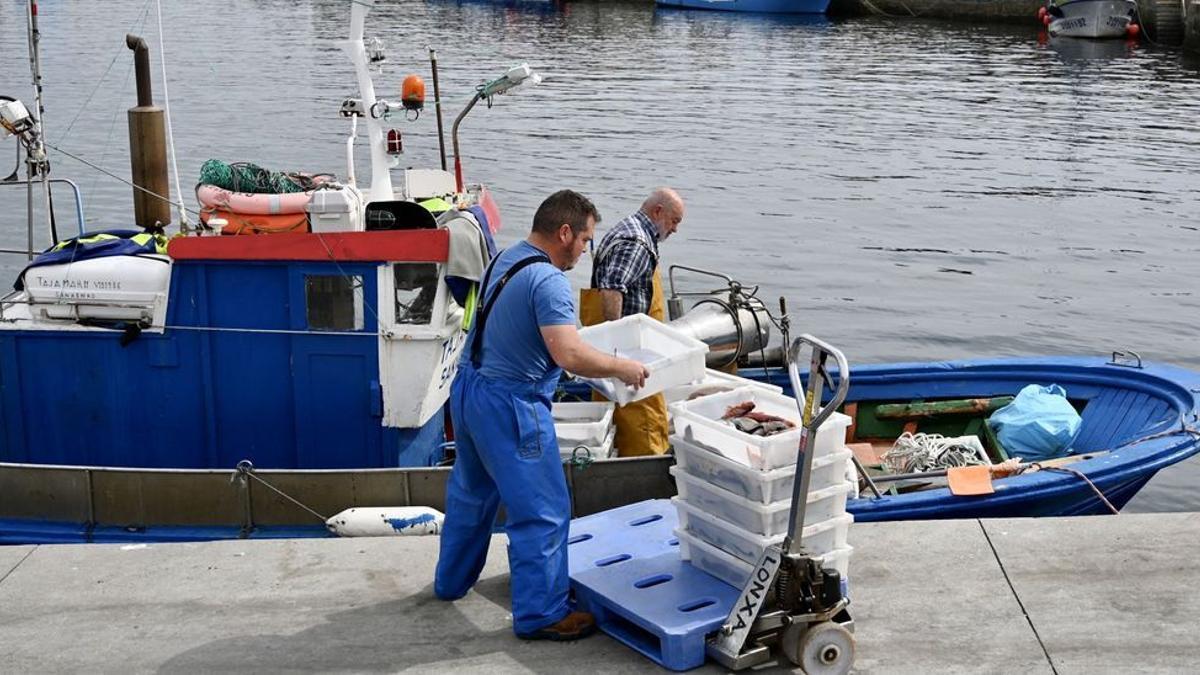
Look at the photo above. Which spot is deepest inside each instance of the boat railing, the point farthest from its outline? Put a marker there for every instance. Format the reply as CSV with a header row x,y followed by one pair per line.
x,y
78,209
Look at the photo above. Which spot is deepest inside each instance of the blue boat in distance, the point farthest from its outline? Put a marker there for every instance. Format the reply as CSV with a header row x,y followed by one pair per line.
x,y
760,6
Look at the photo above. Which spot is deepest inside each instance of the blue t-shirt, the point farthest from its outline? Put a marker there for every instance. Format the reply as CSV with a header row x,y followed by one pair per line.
x,y
539,295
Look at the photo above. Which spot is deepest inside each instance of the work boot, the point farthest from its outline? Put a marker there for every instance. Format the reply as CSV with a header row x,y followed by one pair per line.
x,y
574,626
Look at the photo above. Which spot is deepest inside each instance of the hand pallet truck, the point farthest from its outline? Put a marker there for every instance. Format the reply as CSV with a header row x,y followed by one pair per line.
x,y
791,604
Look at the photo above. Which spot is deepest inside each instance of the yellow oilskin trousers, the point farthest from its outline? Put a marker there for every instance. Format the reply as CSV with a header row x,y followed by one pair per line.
x,y
641,425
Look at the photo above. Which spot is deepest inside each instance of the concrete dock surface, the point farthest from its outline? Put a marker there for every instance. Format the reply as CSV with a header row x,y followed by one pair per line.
x,y
1066,595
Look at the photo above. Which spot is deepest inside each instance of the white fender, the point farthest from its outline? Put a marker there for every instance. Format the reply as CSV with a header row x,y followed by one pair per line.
x,y
386,521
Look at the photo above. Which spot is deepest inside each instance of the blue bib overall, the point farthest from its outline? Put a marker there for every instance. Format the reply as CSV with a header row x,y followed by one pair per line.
x,y
507,452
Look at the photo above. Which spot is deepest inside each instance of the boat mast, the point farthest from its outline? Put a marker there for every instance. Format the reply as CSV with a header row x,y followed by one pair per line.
x,y
35,155
381,177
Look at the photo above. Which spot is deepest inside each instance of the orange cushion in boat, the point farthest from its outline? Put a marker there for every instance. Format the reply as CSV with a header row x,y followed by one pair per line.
x,y
251,223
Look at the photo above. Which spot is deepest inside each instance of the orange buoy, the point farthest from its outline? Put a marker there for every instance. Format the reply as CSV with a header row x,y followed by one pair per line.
x,y
1133,30
412,93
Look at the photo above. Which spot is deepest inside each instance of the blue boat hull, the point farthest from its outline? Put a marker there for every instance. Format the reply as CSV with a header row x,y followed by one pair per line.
x,y
1145,418
1124,405
187,398
759,6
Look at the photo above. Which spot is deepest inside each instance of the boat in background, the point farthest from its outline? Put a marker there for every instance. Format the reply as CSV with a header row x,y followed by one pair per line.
x,y
1090,18
759,6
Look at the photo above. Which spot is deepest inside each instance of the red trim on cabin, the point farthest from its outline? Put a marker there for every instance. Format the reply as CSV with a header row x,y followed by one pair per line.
x,y
379,246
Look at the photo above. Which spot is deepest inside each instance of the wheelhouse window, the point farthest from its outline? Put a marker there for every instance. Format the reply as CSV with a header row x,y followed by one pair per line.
x,y
334,302
416,290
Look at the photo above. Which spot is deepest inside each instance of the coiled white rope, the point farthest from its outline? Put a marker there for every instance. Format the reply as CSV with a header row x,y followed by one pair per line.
x,y
918,453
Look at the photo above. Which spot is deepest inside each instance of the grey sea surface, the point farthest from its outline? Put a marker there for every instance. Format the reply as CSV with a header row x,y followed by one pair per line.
x,y
918,190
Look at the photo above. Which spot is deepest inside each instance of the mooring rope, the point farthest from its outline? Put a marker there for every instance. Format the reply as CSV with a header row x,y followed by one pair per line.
x,y
245,469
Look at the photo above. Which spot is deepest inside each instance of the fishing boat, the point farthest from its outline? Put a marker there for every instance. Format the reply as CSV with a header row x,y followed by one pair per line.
x,y
756,6
1090,18
226,386
124,348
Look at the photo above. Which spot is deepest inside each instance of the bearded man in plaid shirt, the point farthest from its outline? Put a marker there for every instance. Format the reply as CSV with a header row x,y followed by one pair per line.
x,y
625,281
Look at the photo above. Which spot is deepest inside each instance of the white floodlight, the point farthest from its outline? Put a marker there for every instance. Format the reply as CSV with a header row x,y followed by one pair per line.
x,y
512,78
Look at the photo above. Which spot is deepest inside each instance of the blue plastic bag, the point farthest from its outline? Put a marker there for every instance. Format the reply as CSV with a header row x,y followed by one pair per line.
x,y
1039,424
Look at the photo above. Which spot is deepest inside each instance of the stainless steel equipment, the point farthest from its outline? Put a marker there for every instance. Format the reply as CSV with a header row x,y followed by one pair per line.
x,y
731,320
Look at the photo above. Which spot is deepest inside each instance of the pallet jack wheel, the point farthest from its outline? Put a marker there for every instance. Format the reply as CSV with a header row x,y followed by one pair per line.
x,y
821,649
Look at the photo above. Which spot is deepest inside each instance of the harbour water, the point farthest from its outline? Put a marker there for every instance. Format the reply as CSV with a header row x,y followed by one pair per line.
x,y
917,190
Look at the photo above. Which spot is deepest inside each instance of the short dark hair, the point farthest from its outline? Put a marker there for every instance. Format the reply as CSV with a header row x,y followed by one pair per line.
x,y
564,206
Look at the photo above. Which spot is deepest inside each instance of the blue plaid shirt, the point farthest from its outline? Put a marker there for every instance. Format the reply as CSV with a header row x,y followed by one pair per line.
x,y
625,261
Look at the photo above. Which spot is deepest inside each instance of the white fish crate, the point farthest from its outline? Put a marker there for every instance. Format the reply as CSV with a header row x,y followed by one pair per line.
x,y
763,519
699,421
765,487
603,450
818,539
671,357
582,423
735,571
716,382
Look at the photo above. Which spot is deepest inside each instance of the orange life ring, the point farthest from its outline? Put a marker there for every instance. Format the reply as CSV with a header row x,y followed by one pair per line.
x,y
255,223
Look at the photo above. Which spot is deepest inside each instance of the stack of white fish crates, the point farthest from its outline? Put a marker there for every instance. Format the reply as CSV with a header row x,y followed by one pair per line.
x,y
584,428
735,489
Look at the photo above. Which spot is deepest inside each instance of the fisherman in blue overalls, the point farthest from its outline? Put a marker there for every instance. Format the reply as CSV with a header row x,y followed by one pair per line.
x,y
507,451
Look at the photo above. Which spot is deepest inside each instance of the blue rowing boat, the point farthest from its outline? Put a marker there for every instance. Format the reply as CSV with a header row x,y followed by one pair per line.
x,y
758,6
1136,420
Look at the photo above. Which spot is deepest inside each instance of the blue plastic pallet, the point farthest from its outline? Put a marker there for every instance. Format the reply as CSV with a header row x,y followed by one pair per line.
x,y
626,571
642,530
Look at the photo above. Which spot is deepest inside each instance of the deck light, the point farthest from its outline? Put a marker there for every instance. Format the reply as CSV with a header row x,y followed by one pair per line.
x,y
514,77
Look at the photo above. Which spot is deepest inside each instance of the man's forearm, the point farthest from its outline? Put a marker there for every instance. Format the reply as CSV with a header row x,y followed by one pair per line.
x,y
611,302
576,356
590,362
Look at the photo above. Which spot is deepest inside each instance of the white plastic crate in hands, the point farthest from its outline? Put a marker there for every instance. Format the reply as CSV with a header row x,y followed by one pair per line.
x,y
734,571
818,539
763,519
582,423
766,487
699,421
715,382
671,357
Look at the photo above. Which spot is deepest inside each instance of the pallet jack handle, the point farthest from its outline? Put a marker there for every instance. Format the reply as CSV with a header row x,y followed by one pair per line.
x,y
812,415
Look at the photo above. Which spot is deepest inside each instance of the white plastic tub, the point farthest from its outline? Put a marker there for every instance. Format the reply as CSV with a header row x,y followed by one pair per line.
x,y
699,421
594,451
718,382
766,487
582,423
734,571
818,539
672,357
763,519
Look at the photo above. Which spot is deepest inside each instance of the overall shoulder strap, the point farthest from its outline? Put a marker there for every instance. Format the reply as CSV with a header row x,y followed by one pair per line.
x,y
489,302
